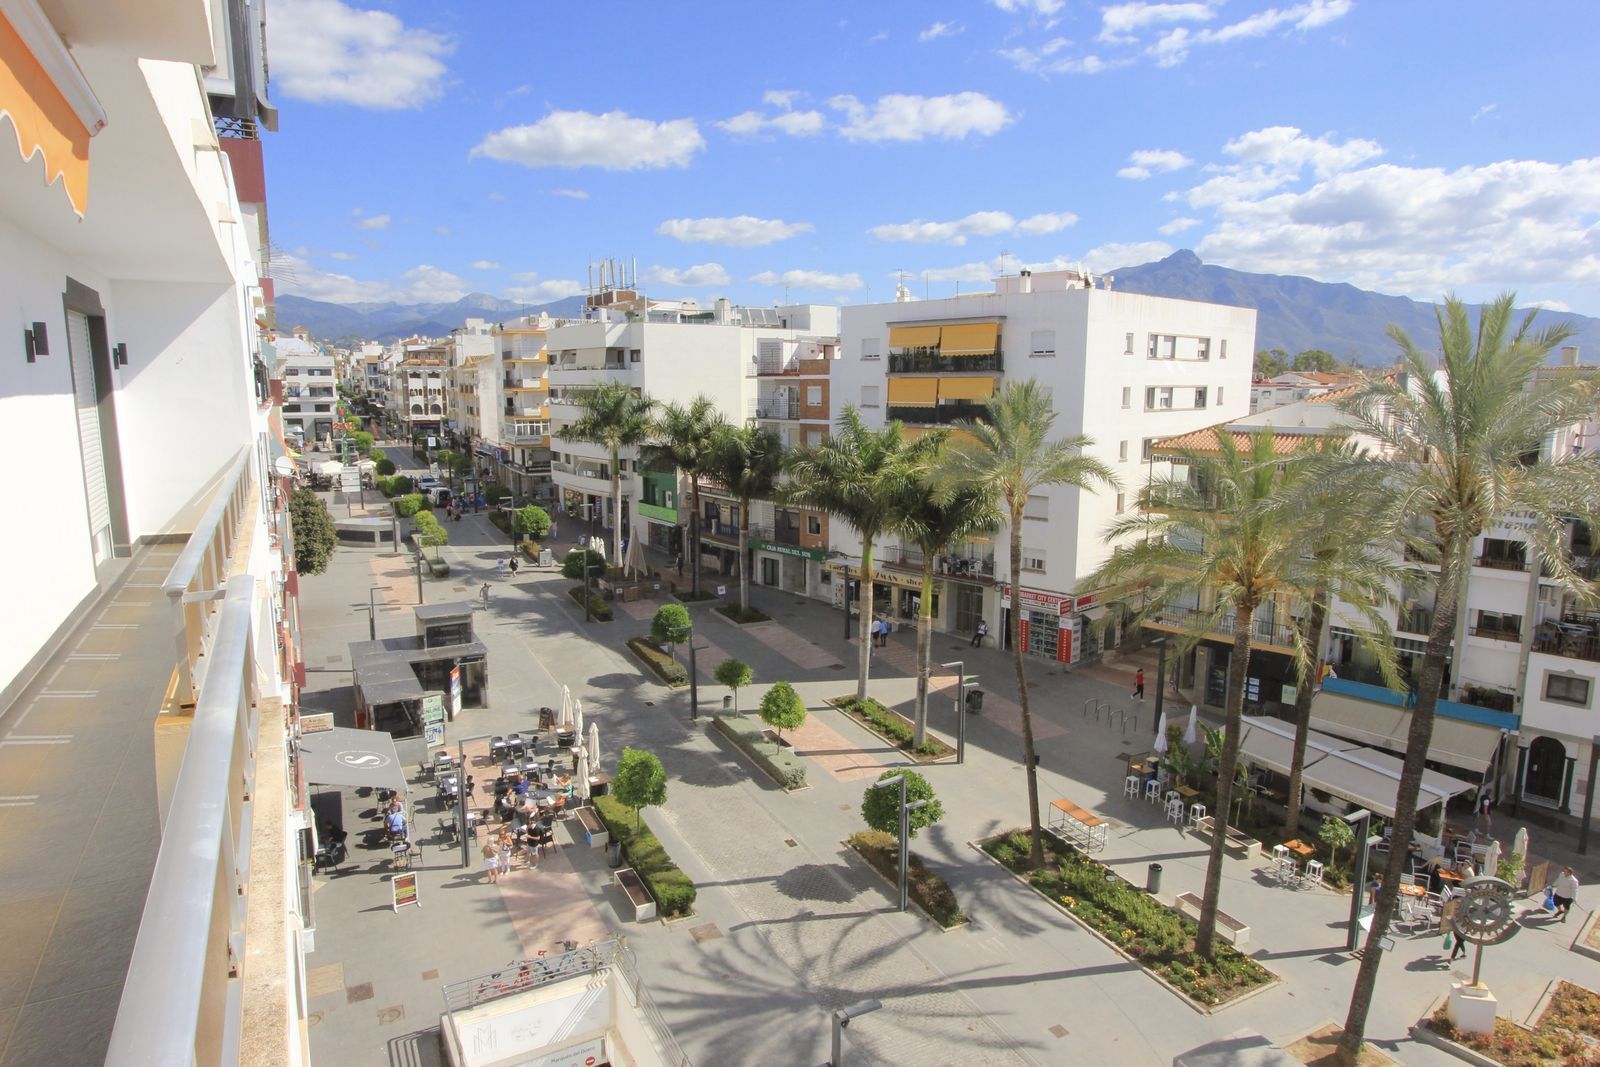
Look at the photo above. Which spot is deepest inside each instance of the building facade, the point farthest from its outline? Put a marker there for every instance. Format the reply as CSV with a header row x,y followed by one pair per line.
x,y
310,392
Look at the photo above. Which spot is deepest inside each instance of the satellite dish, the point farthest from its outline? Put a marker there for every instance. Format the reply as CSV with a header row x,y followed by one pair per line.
x,y
283,466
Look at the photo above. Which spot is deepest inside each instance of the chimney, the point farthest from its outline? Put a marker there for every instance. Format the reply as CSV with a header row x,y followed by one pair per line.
x,y
1026,282
1569,355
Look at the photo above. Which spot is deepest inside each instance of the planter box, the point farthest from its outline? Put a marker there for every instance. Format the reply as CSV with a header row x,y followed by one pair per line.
x,y
594,831
639,898
1238,845
1232,930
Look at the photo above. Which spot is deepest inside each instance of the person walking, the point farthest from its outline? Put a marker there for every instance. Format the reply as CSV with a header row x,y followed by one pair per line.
x,y
1138,683
484,594
500,567
1565,888
1459,948
680,564
491,861
979,634
514,565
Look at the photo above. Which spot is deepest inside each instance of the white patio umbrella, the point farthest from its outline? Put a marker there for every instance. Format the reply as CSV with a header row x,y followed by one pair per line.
x,y
635,564
577,720
582,782
1161,736
593,748
1192,734
1519,844
565,722
1491,862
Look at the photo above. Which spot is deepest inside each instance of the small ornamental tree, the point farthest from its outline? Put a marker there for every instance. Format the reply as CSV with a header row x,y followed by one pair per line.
x,y
385,467
639,782
572,566
880,804
670,626
781,708
734,673
1336,834
533,522
430,532
313,532
362,440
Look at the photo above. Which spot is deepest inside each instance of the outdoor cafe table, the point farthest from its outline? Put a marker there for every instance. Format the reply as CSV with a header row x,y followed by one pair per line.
x,y
1300,848
1077,825
1188,792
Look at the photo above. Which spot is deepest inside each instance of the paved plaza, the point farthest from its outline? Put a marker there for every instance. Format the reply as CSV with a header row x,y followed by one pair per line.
x,y
788,923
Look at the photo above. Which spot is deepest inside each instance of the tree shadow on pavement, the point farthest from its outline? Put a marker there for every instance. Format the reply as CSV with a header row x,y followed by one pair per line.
x,y
816,881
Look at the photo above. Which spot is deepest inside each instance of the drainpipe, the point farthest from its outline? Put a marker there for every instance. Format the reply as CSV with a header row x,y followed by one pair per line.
x,y
1528,624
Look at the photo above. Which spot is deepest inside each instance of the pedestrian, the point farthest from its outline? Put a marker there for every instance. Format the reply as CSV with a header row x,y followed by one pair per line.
x,y
1458,944
680,564
1485,824
458,514
484,593
979,634
514,565
1566,890
491,861
1138,683
553,534
500,567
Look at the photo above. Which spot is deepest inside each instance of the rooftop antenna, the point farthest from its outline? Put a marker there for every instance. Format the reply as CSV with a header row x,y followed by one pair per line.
x,y
1003,255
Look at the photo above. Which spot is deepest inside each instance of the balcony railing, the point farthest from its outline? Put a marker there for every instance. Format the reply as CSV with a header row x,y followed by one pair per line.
x,y
777,408
1572,640
942,415
781,534
582,470
770,367
1416,621
1265,631
950,566
723,531
924,362
1496,633
1503,563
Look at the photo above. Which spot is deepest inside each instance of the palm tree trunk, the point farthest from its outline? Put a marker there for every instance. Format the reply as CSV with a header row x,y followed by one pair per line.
x,y
919,724
1302,709
616,509
744,555
1227,767
1014,631
1435,654
864,660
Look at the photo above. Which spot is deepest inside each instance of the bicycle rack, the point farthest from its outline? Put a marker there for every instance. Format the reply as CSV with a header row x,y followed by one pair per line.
x,y
1094,704
1116,713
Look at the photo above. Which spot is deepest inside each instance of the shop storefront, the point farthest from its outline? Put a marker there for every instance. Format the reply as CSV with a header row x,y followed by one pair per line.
x,y
661,528
1051,624
788,567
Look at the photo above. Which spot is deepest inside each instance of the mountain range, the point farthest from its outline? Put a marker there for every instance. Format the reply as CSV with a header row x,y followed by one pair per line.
x,y
1295,313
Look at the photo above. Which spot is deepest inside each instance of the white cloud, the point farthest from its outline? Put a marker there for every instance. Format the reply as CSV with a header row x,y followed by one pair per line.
x,y
1173,47
977,224
940,29
442,231
1484,112
903,117
485,264
1039,61
374,222
421,284
570,194
1148,161
613,141
1273,157
810,279
781,98
1030,59
327,52
1119,22
793,123
740,231
1037,7
1177,225
537,292
1125,254
1049,222
699,274
341,255
497,197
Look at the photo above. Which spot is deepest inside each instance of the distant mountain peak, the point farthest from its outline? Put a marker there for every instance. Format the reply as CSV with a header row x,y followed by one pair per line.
x,y
1183,257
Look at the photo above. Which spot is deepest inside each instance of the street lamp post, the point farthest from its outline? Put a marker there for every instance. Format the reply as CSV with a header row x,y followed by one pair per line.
x,y
905,810
372,613
847,601
962,681
1588,798
1161,679
1361,819
841,1019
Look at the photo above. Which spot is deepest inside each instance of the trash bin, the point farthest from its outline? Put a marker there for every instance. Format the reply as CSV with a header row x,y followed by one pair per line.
x,y
614,853
1152,881
727,703
974,700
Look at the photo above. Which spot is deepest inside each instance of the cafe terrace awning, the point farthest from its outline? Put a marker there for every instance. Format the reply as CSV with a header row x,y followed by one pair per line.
x,y
351,757
1467,745
1361,775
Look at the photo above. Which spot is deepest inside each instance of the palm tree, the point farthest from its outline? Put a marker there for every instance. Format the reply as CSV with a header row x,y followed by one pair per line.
x,y
933,516
682,440
1208,542
747,462
1460,446
856,475
616,417
1009,456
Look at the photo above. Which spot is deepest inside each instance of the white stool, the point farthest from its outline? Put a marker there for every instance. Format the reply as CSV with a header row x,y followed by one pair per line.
x,y
1152,791
1172,794
1279,853
1313,872
1196,813
1130,786
1175,810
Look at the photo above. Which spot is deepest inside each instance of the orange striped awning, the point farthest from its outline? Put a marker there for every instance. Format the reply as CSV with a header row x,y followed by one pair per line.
x,y
44,122
966,388
914,392
913,337
970,339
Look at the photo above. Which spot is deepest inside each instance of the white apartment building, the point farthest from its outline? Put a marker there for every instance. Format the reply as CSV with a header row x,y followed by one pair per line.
x,y
419,387
673,352
519,448
310,392
1122,368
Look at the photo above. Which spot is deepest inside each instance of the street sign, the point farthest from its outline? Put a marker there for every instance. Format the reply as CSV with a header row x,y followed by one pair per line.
x,y
455,691
433,719
350,480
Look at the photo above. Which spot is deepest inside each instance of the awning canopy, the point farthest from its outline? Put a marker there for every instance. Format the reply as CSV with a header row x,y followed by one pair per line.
x,y
914,392
970,339
52,109
966,388
913,337
1360,775
1467,745
351,757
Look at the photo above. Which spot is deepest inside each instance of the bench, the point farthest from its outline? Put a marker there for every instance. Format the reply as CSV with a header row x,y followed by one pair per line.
x,y
1238,843
1232,930
595,833
644,905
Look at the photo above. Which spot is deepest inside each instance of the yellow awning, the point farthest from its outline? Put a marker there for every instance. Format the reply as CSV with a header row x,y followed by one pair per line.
x,y
914,392
43,120
966,388
970,339
913,337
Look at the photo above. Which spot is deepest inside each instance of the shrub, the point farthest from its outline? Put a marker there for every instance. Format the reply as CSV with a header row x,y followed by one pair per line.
x,y
880,805
734,674
669,670
313,532
495,494
572,566
782,709
784,767
743,615
931,893
597,606
362,440
673,890
533,521
385,467
409,504
891,726
430,533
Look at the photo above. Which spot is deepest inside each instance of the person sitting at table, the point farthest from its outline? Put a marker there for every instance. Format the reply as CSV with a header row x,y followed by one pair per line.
x,y
507,805
520,785
1466,870
395,823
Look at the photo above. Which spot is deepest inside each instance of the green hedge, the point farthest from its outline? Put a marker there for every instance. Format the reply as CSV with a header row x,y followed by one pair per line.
x,y
787,769
891,726
397,485
690,597
740,615
669,670
411,503
672,889
601,609
496,493
932,893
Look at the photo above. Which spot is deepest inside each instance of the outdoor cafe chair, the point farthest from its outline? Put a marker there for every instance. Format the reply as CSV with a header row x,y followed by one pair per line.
x,y
1130,786
1175,810
1152,791
514,747
497,747
1171,795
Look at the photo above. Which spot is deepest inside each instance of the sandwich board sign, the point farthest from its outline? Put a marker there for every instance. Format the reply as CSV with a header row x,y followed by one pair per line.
x,y
433,719
403,887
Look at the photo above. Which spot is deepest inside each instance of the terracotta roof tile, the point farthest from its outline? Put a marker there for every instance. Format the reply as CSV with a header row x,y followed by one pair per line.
x,y
1206,440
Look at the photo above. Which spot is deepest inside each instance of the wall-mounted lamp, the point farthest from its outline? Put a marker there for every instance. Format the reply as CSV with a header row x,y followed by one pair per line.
x,y
119,355
36,341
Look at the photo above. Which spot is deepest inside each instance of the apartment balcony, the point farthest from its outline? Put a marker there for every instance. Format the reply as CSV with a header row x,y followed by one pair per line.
x,y
1263,632
523,383
781,534
1414,621
772,368
722,531
941,415
526,411
777,408
581,470
1496,633
1502,563
528,440
910,559
927,362
1576,636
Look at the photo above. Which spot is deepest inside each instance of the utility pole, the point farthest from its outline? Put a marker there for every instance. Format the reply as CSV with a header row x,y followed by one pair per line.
x,y
962,681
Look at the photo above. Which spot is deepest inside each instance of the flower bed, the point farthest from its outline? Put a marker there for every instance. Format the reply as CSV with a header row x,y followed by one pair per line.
x,y
787,769
1143,928
693,598
743,615
672,889
600,608
930,892
669,670
1566,1032
892,727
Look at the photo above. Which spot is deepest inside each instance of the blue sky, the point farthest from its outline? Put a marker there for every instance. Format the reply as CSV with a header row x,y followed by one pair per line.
x,y
428,150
